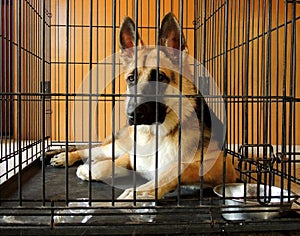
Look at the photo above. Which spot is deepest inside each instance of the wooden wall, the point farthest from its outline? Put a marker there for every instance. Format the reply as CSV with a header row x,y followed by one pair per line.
x,y
247,78
259,56
21,68
101,45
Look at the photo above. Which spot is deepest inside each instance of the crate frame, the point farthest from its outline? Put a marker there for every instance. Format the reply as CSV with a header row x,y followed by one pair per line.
x,y
274,160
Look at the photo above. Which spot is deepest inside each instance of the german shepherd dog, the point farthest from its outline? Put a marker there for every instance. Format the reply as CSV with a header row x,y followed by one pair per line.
x,y
157,142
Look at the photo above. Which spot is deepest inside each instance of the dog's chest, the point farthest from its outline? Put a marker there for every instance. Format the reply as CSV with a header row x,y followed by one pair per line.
x,y
146,157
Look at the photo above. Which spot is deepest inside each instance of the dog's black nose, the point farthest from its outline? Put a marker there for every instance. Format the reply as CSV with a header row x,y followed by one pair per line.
x,y
145,114
137,116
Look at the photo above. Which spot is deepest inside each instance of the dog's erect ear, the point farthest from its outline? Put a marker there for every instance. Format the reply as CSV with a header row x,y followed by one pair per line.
x,y
170,34
127,35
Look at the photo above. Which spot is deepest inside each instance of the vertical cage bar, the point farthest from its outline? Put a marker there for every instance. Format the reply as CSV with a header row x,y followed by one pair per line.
x,y
237,75
19,97
268,106
10,74
105,67
28,59
258,75
197,38
231,81
37,75
156,90
277,78
234,42
90,100
245,66
82,65
246,77
269,74
135,96
284,102
265,76
43,100
74,70
195,24
49,109
57,29
67,100
292,94
35,71
113,91
180,100
5,62
97,118
225,90
203,74
6,97
295,47
217,37
252,71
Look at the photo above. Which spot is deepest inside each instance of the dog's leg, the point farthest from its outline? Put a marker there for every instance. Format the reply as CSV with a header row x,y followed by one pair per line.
x,y
167,182
61,159
102,170
98,153
190,174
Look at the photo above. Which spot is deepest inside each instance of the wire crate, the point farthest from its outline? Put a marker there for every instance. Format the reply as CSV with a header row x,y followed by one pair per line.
x,y
62,89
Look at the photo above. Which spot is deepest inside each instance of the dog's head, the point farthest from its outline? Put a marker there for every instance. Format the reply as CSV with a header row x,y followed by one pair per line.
x,y
153,74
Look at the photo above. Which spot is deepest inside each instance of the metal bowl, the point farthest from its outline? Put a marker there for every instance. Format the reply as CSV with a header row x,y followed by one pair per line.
x,y
247,201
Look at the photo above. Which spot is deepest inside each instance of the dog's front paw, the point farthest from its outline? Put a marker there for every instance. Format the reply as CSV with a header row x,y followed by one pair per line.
x,y
83,172
61,159
100,170
128,194
58,160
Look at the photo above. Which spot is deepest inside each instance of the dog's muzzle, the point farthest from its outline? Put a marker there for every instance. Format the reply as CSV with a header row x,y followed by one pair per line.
x,y
146,113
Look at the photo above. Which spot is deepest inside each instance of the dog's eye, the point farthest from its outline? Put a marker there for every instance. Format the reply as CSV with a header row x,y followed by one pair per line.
x,y
130,79
163,78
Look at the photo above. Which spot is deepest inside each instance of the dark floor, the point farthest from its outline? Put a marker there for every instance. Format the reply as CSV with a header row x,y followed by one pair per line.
x,y
55,185
167,217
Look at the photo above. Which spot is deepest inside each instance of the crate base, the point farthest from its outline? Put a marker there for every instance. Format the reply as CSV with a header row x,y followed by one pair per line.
x,y
38,213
